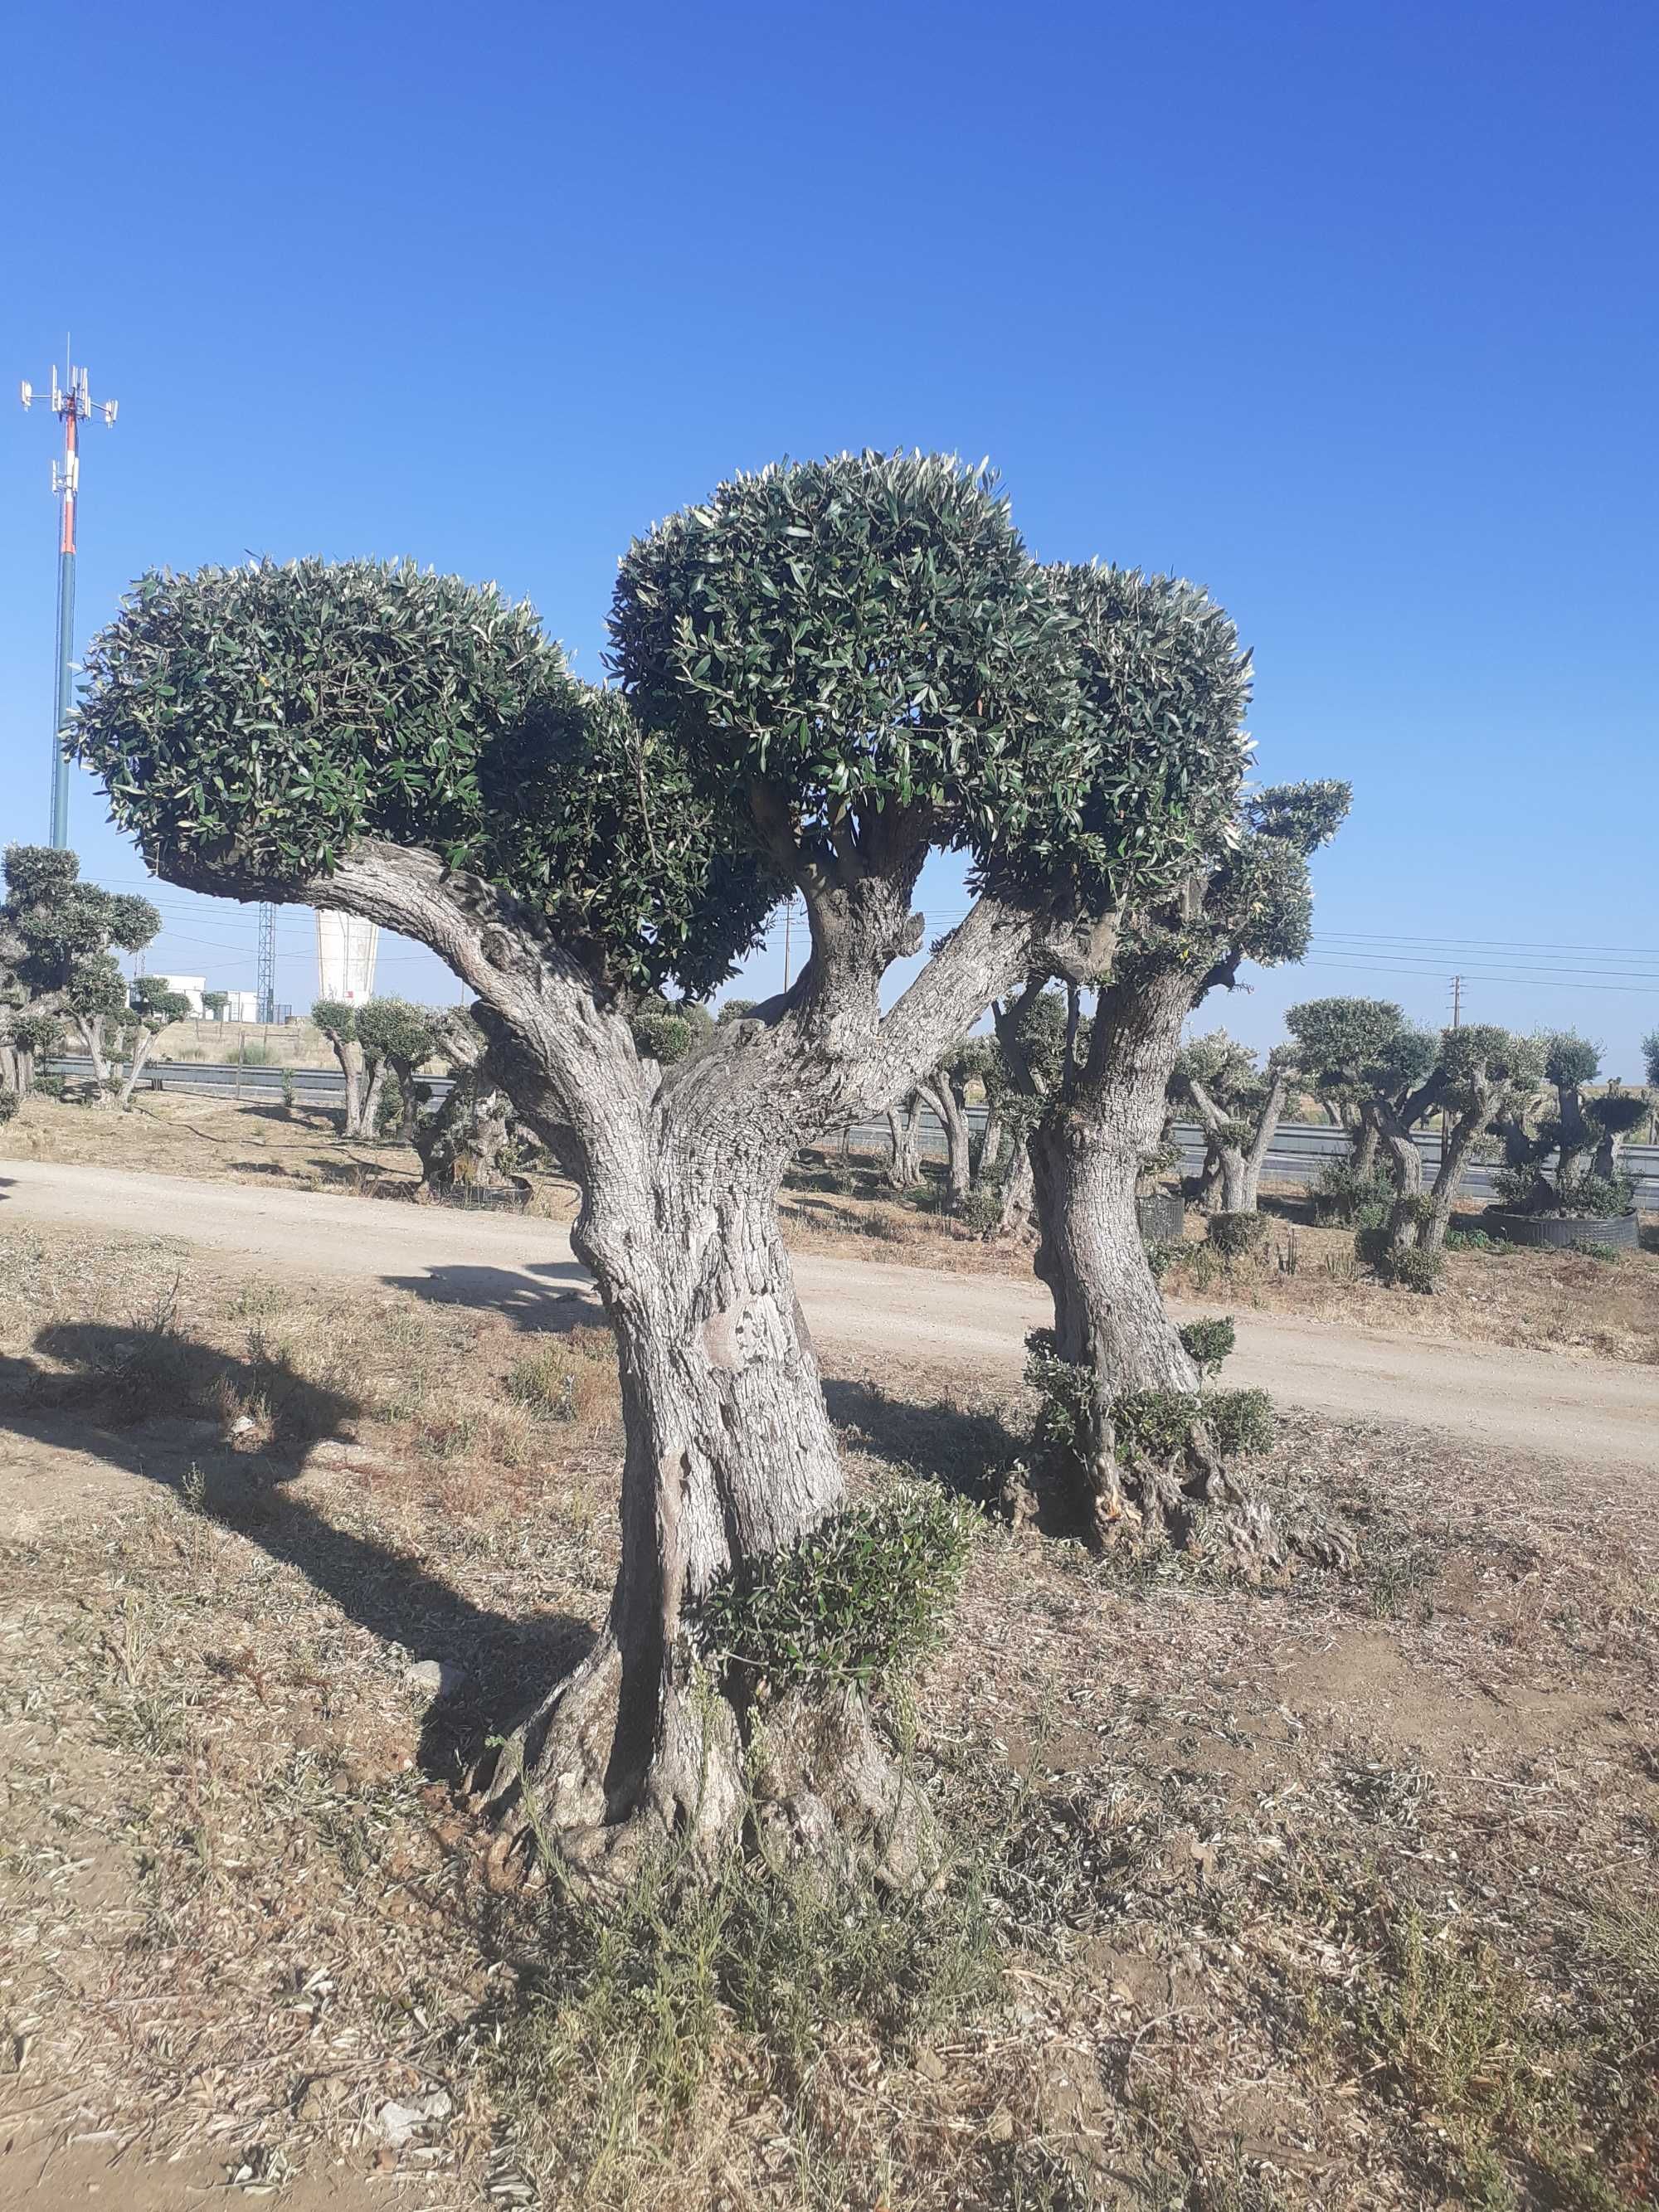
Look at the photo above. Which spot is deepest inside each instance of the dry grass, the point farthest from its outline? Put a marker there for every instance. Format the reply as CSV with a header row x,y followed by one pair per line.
x,y
1336,1894
283,1044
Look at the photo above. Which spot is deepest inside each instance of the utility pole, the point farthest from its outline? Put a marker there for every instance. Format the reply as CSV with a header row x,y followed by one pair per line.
x,y
788,917
73,404
1457,1002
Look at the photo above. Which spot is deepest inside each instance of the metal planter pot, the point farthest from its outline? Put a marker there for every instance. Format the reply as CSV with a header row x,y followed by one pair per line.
x,y
1558,1234
1163,1217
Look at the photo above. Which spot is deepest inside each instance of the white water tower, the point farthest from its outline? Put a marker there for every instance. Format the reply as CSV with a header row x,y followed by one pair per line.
x,y
346,947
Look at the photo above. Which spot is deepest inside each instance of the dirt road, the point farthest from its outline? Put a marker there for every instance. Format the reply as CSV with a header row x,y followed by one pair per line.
x,y
1569,1409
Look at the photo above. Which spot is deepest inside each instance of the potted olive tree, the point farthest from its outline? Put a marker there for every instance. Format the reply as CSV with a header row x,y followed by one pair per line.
x,y
1561,1183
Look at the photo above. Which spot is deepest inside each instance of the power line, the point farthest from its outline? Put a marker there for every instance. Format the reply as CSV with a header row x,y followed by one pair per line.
x,y
1475,974
1489,944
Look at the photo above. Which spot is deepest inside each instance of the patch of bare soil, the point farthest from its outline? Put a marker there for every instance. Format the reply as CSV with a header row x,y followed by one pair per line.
x,y
1339,1893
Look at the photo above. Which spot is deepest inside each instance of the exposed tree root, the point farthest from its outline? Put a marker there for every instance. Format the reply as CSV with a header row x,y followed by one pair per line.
x,y
1192,1497
803,1774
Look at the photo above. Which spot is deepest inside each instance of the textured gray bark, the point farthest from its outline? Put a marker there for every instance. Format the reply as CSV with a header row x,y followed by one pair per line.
x,y
958,1164
1016,1221
904,1170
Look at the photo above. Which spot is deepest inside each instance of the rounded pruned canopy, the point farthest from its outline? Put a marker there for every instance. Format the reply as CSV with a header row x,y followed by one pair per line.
x,y
860,636
252,724
1165,687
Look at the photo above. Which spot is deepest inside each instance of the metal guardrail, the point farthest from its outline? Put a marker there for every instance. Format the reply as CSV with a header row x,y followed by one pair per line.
x,y
1299,1150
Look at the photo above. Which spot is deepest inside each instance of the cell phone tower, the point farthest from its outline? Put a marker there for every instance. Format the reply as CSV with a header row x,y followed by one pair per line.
x,y
72,401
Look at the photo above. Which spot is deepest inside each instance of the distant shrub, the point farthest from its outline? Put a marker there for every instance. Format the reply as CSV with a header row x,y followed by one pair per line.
x,y
1233,1235
886,1229
1163,1253
9,1102
252,1055
1414,1268
1470,1240
983,1209
1592,1247
1209,1342
1342,1195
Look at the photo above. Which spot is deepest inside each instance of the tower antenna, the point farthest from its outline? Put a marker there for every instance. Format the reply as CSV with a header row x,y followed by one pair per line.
x,y
72,402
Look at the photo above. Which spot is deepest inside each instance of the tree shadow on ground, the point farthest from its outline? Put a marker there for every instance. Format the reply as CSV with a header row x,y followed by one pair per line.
x,y
127,1395
968,1450
532,1304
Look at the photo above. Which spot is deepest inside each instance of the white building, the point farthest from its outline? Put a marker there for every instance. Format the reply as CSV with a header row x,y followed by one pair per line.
x,y
187,987
241,1006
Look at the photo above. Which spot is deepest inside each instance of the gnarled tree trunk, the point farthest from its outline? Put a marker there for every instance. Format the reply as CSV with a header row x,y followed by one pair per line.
x,y
349,1054
89,1028
730,1459
368,1125
1016,1222
144,1045
904,1170
1110,1315
988,1153
1404,1166
1366,1138
958,1165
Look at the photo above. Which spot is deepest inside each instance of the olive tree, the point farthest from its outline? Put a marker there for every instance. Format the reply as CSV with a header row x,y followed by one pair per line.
x,y
58,938
338,1022
395,1038
1567,1162
152,1006
945,1093
1239,1105
1365,1054
1158,655
1482,1076
825,671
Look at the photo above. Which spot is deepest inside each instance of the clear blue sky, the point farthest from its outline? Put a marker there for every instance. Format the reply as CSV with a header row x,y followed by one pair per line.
x,y
1346,310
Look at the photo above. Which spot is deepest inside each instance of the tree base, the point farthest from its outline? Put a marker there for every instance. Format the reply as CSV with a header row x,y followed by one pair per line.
x,y
1191,1497
798,1775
